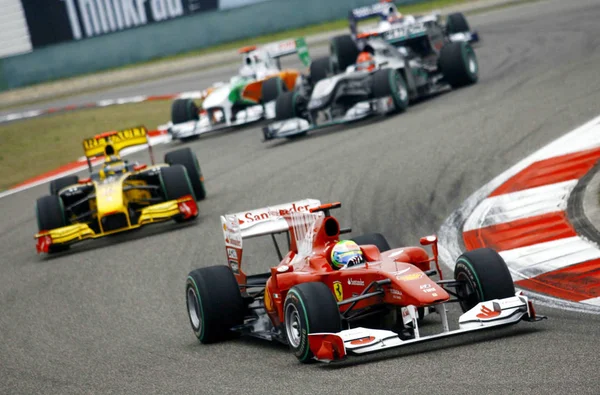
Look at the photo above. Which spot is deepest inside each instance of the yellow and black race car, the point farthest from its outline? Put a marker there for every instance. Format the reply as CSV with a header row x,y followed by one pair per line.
x,y
121,195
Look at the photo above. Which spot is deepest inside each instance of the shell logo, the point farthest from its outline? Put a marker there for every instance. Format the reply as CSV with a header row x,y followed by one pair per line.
x,y
363,340
268,301
410,277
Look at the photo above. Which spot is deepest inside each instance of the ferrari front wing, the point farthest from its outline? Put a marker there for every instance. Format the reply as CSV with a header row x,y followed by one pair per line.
x,y
328,347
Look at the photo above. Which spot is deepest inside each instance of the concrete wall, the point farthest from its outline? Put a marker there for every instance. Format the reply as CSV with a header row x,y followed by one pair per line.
x,y
168,38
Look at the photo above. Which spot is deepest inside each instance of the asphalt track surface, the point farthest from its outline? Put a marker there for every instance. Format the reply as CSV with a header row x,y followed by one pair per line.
x,y
110,315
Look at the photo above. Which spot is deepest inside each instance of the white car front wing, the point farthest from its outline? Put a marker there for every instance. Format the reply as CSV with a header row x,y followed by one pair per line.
x,y
328,347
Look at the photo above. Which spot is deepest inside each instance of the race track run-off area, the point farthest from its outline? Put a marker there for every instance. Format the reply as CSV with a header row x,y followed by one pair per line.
x,y
109,316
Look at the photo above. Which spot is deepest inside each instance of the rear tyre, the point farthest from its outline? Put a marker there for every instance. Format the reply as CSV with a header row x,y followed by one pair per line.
x,y
309,308
319,69
60,183
188,159
289,105
376,239
50,215
459,64
485,276
389,82
272,88
184,110
214,303
176,184
344,52
457,23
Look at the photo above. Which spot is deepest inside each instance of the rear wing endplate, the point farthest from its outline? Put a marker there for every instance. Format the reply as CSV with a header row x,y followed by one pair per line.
x,y
289,47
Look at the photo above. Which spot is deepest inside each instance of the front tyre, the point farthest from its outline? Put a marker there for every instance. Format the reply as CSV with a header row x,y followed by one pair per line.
x,y
485,277
390,83
63,182
184,110
289,105
176,184
458,63
214,303
272,88
309,308
188,159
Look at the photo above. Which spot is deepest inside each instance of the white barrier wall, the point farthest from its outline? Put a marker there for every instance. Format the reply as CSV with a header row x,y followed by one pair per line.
x,y
14,35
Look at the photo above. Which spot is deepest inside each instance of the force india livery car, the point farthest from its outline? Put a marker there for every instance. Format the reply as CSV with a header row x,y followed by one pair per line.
x,y
326,312
247,97
119,196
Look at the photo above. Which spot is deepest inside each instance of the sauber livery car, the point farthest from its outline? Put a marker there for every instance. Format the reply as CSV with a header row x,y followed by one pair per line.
x,y
247,97
327,312
121,195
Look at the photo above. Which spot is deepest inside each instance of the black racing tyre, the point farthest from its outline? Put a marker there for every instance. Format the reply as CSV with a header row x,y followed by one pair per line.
x,y
50,213
344,51
188,159
458,63
309,308
214,303
320,68
376,239
184,110
289,105
485,275
60,183
272,88
176,184
457,23
389,82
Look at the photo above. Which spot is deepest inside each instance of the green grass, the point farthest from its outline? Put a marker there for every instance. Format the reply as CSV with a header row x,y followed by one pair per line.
x,y
32,147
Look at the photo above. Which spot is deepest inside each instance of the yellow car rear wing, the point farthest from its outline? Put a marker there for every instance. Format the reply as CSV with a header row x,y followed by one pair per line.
x,y
119,140
113,142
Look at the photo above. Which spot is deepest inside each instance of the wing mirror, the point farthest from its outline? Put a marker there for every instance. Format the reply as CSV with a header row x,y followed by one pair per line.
x,y
427,240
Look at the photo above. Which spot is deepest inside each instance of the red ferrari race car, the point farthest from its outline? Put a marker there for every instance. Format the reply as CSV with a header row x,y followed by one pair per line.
x,y
330,298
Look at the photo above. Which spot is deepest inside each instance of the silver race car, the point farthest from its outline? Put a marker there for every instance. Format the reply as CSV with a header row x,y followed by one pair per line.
x,y
405,64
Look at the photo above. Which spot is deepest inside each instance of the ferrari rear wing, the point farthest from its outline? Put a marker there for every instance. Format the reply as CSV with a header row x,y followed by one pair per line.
x,y
259,222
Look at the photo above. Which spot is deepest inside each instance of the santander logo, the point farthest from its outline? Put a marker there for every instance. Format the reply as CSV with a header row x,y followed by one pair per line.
x,y
263,215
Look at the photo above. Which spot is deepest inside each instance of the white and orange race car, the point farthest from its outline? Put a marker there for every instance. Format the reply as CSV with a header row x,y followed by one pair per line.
x,y
247,97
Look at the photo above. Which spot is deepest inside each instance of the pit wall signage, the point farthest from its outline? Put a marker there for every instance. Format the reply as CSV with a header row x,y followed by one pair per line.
x,y
55,21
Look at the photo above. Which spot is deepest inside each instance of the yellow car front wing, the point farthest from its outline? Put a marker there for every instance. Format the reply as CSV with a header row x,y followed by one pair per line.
x,y
160,212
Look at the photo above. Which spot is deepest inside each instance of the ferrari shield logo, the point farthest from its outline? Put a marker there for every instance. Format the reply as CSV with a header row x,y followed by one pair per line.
x,y
338,291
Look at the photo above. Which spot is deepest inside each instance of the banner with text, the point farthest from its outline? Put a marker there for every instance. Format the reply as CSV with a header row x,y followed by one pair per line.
x,y
54,21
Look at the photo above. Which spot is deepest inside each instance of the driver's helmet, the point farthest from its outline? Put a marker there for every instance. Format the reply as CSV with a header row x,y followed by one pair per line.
x,y
346,253
114,165
392,14
365,62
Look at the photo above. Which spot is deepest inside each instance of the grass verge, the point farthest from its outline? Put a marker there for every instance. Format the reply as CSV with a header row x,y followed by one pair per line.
x,y
32,147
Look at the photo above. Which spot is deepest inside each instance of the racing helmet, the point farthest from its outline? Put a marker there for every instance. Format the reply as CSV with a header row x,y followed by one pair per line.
x,y
346,253
365,61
